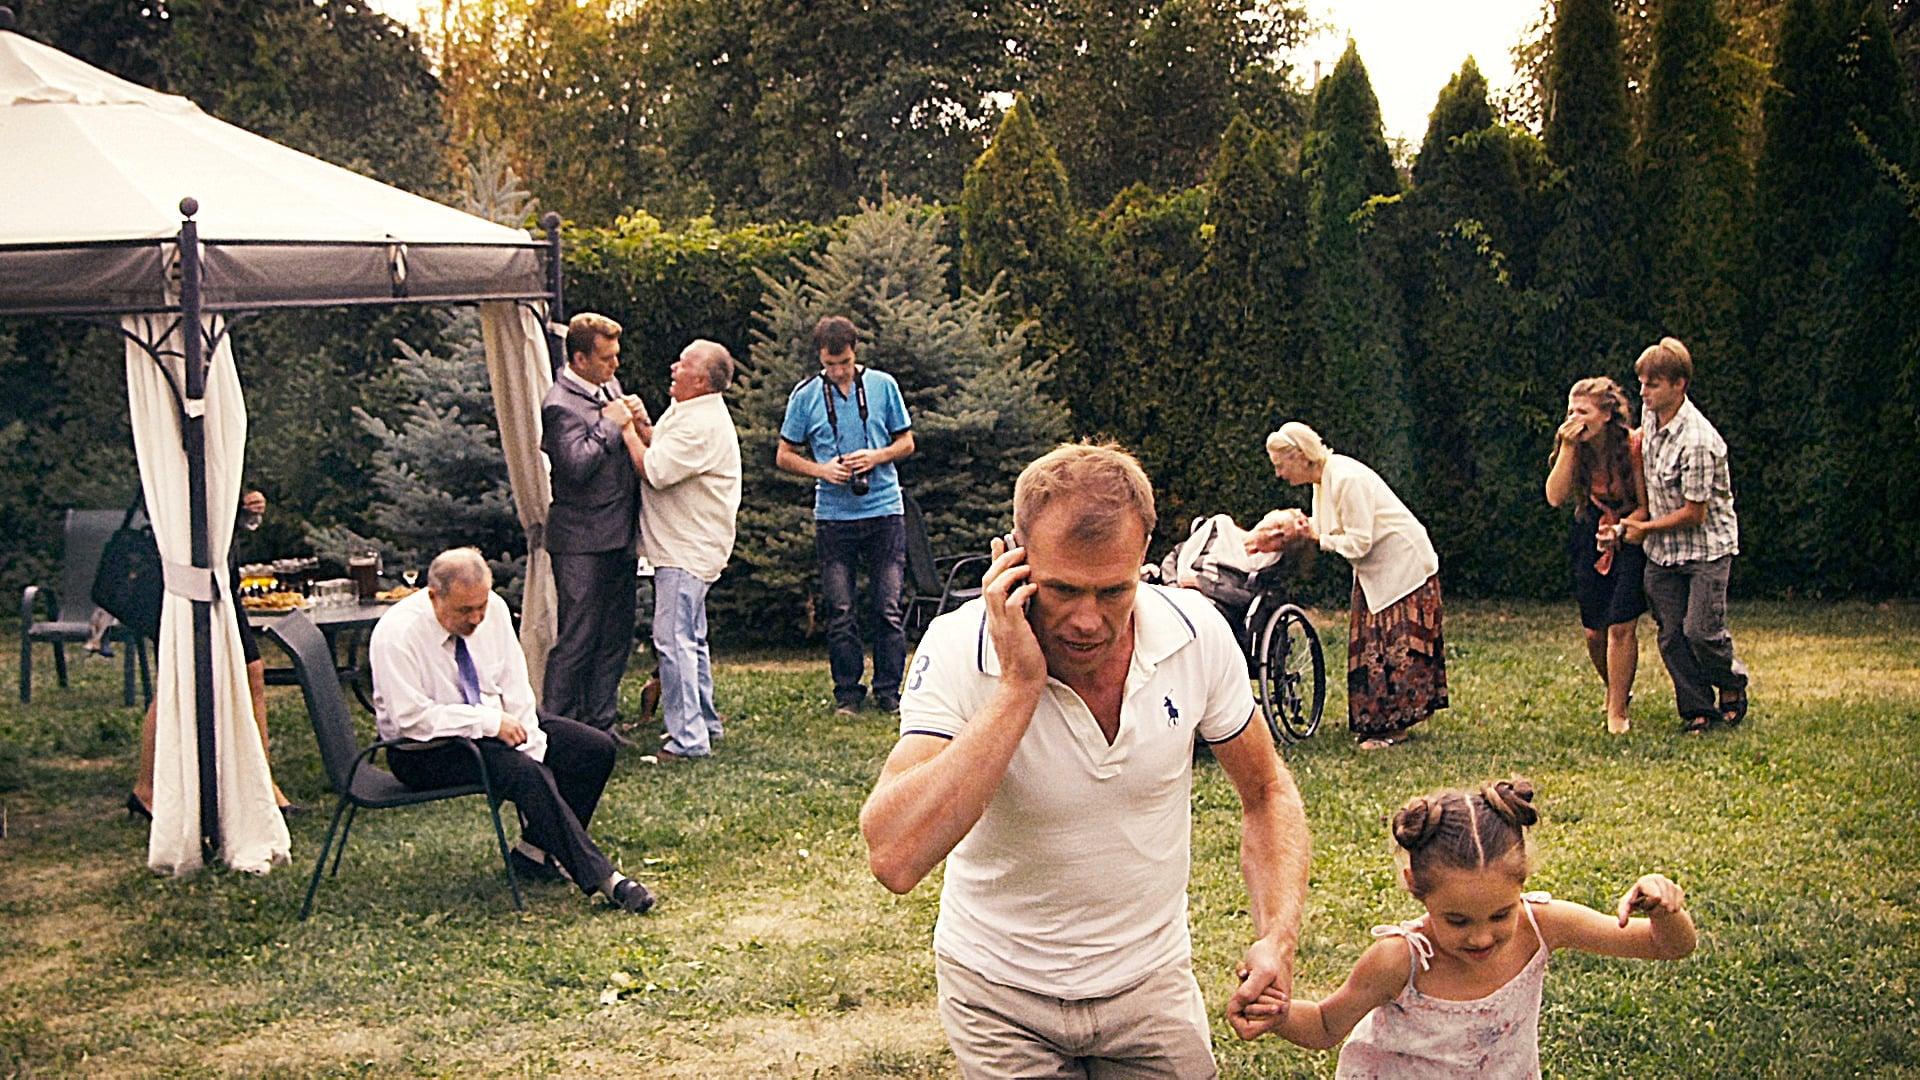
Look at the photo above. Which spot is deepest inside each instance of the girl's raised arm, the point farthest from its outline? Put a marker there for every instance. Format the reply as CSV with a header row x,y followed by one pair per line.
x,y
1666,934
1320,1025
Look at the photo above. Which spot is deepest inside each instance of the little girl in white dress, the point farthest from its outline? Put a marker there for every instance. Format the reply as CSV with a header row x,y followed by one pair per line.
x,y
1456,992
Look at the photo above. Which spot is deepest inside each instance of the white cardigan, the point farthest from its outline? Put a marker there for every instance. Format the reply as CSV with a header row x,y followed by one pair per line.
x,y
1359,517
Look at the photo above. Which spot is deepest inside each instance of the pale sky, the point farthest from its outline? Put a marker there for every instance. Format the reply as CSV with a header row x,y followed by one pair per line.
x,y
1411,47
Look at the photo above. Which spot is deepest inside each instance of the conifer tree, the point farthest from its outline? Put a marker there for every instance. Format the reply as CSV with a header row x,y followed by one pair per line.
x,y
1243,365
1590,318
1361,407
437,469
1017,220
981,411
1826,340
1462,107
1453,236
1695,183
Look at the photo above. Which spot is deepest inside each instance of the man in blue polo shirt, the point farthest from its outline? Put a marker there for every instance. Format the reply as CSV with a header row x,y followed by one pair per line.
x,y
845,427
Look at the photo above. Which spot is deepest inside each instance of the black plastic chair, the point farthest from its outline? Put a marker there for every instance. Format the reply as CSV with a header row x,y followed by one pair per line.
x,y
934,582
69,611
350,769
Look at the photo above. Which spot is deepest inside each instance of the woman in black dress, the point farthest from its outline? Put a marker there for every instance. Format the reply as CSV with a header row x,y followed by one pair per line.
x,y
1596,468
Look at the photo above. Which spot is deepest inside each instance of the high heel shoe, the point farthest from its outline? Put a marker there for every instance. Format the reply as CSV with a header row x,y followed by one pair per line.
x,y
136,808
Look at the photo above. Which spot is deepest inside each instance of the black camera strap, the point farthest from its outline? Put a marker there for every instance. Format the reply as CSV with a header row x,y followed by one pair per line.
x,y
860,399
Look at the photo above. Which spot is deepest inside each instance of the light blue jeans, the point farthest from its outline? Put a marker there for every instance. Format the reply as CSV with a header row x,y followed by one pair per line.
x,y
686,680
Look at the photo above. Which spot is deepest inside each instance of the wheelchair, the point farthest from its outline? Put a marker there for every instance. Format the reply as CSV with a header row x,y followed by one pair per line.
x,y
1284,658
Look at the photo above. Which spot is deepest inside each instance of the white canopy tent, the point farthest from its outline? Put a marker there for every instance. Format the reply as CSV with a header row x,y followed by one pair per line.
x,y
88,227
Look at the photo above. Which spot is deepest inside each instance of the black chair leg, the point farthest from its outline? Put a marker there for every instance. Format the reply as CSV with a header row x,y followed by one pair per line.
x,y
313,883
26,667
60,662
342,850
500,834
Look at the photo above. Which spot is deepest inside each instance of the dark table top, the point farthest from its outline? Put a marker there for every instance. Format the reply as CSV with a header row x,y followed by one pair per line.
x,y
328,618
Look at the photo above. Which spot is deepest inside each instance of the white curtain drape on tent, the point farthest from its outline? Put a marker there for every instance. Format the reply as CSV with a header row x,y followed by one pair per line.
x,y
253,834
519,367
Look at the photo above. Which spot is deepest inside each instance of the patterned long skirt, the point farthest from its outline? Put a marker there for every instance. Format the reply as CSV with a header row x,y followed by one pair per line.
x,y
1396,663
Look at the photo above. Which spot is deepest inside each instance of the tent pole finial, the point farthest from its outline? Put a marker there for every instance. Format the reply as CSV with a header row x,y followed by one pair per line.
x,y
6,18
189,206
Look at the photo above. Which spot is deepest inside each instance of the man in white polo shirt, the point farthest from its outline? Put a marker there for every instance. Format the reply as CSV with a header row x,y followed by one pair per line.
x,y
1047,734
691,477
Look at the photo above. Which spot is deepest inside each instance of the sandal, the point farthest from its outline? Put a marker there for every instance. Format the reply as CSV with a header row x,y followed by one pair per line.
x,y
1375,744
1733,707
1697,724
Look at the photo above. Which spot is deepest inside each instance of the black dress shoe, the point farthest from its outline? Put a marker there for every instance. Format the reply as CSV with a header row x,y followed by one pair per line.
x,y
527,868
136,808
292,810
632,896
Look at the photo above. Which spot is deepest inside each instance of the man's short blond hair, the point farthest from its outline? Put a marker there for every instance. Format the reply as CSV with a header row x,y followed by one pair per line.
x,y
585,330
1668,361
1105,485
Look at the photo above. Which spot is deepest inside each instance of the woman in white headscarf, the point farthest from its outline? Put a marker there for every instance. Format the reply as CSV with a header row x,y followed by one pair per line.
x,y
1396,658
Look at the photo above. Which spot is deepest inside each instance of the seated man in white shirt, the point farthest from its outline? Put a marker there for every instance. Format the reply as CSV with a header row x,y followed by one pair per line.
x,y
446,663
1046,753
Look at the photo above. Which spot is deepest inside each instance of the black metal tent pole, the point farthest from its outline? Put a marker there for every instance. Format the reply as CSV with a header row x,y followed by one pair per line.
x,y
193,431
556,301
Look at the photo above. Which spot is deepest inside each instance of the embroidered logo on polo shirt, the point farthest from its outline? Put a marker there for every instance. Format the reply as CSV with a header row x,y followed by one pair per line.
x,y
1173,714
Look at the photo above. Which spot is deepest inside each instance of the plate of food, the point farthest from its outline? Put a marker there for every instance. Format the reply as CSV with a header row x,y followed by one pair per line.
x,y
395,594
274,603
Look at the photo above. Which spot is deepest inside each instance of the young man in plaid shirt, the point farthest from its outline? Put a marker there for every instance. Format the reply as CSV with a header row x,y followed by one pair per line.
x,y
1691,537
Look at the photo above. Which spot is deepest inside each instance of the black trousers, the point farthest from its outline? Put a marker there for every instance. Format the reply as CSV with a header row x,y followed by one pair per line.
x,y
595,594
556,798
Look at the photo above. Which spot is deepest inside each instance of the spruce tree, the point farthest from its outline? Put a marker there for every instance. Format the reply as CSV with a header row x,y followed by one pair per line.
x,y
1361,407
980,410
438,473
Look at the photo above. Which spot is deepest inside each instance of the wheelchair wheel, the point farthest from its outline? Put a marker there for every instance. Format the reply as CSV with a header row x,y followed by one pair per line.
x,y
1292,674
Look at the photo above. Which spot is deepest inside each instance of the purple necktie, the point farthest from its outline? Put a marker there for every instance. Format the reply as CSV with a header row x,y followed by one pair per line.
x,y
469,676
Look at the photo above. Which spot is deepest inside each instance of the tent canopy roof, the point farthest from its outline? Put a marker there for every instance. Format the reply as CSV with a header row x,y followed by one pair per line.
x,y
99,167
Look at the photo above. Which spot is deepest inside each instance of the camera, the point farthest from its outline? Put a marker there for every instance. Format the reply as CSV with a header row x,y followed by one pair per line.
x,y
860,483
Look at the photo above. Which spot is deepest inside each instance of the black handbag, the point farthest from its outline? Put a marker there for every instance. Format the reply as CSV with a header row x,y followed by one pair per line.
x,y
129,585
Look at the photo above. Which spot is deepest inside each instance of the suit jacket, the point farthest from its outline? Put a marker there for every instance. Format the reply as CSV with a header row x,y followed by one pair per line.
x,y
596,493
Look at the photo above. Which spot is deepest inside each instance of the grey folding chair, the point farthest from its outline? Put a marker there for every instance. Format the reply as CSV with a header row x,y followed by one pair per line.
x,y
935,584
350,768
69,610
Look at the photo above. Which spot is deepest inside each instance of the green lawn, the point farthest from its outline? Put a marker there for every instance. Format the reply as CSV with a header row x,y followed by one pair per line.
x,y
774,953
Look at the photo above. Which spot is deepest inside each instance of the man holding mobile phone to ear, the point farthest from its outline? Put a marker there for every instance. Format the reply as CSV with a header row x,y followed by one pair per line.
x,y
1046,753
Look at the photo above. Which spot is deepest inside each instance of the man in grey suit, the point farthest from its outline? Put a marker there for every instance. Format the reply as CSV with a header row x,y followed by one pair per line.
x,y
594,436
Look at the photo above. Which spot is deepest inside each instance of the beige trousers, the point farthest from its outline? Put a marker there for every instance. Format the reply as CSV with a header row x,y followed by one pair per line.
x,y
1155,1029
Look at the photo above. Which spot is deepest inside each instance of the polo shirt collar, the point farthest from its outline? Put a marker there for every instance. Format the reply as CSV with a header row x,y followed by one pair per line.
x,y
1160,629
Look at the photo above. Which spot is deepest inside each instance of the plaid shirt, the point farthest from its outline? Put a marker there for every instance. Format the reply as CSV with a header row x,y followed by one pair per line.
x,y
1686,461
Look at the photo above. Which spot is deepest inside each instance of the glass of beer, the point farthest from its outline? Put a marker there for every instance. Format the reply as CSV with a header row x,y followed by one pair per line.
x,y
364,570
